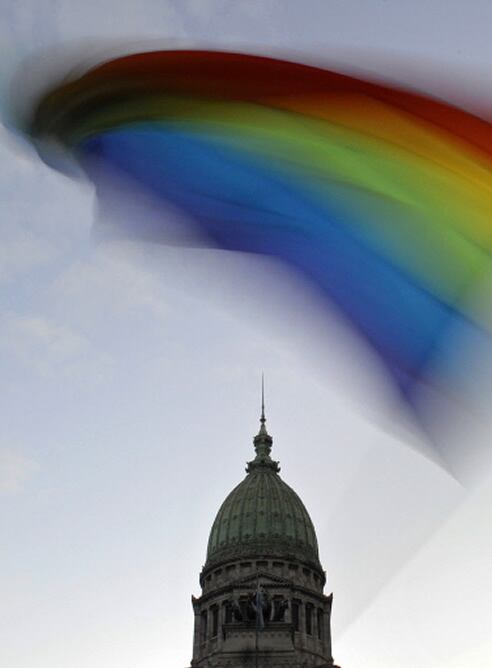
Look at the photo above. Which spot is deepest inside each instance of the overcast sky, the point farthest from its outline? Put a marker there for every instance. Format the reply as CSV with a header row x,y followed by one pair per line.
x,y
130,383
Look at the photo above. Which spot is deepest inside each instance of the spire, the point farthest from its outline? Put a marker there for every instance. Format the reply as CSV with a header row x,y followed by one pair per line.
x,y
262,419
263,441
263,430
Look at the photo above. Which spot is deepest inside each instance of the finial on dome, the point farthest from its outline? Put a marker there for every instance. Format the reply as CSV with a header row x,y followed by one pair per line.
x,y
262,419
263,430
263,441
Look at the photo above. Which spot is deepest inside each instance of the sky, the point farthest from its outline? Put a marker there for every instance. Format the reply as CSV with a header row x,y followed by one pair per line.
x,y
131,375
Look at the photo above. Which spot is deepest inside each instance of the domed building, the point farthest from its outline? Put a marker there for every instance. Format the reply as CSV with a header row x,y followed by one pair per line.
x,y
262,602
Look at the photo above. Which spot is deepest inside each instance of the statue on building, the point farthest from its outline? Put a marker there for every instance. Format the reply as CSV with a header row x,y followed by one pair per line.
x,y
279,608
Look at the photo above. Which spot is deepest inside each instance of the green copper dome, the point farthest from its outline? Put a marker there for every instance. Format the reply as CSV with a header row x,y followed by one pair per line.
x,y
262,516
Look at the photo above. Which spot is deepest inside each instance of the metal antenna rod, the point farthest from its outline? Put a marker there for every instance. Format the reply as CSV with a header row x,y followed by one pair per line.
x,y
262,419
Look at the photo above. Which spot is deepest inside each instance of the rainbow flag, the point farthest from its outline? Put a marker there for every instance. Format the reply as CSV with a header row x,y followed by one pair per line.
x,y
382,197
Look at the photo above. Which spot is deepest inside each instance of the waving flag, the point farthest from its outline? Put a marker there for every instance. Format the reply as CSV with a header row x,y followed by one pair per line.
x,y
380,196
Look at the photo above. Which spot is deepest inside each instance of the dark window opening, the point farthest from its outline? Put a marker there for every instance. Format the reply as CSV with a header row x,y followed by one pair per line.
x,y
203,625
295,615
320,624
215,621
243,605
309,619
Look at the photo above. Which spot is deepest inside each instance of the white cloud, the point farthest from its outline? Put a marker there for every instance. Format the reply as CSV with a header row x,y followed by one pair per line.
x,y
23,333
49,348
110,282
36,230
22,253
15,471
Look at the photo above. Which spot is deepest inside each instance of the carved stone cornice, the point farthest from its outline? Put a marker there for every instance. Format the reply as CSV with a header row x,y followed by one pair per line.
x,y
250,582
275,549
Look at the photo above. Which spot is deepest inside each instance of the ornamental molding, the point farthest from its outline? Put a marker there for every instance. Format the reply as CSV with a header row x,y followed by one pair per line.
x,y
252,579
265,549
274,581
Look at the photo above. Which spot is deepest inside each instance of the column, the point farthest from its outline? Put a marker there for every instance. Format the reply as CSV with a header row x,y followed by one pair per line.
x,y
196,633
314,624
220,634
327,616
205,626
320,627
302,623
288,612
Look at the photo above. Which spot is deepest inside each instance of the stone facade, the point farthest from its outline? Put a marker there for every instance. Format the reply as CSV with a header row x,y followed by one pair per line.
x,y
262,603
